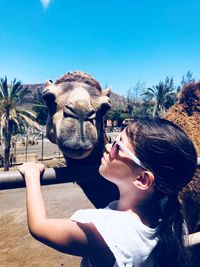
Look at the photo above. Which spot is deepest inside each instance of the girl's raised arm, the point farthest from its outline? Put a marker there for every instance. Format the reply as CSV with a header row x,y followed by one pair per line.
x,y
64,235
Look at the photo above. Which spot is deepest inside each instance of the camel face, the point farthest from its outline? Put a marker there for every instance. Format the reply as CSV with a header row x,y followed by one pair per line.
x,y
76,107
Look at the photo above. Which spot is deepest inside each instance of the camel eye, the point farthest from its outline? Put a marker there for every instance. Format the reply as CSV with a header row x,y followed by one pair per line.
x,y
69,111
91,115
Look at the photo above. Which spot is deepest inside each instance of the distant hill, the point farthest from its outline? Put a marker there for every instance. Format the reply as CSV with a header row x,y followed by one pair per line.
x,y
34,87
29,98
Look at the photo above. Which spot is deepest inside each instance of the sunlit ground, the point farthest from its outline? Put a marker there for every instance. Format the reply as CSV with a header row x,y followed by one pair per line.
x,y
17,247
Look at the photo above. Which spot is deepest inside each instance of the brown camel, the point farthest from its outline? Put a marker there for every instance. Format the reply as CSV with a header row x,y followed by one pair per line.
x,y
186,114
76,105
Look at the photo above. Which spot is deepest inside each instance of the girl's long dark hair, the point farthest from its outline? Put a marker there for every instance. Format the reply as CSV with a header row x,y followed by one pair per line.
x,y
165,149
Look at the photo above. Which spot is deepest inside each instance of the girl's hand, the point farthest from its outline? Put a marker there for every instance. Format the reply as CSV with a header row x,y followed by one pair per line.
x,y
29,168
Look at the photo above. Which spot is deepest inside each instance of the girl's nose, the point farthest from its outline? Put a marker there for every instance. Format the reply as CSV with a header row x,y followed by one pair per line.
x,y
108,147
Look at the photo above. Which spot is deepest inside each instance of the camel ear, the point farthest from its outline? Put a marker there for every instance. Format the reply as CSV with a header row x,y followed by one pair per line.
x,y
48,83
105,101
106,92
102,104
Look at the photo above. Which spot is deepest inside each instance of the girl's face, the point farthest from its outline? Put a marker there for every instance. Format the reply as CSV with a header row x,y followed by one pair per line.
x,y
116,165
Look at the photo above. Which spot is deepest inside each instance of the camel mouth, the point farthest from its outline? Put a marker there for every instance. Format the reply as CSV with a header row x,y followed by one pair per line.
x,y
79,153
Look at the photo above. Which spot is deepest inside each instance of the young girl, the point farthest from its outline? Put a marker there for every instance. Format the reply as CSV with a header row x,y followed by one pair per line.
x,y
150,161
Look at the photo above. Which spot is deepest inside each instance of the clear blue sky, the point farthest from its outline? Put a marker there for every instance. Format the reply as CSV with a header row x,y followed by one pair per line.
x,y
118,42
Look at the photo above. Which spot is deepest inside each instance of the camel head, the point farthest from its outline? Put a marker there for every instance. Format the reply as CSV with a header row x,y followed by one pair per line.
x,y
76,105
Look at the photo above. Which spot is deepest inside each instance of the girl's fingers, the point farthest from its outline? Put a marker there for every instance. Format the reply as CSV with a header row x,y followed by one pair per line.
x,y
28,166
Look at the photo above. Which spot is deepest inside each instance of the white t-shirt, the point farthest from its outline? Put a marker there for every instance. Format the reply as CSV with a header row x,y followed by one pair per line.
x,y
128,238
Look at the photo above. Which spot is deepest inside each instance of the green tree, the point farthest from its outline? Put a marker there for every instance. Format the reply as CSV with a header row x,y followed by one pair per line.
x,y
136,106
40,108
187,78
134,98
163,94
117,114
12,114
143,108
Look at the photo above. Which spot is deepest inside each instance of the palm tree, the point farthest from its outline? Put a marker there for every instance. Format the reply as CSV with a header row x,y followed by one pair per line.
x,y
40,108
12,114
163,94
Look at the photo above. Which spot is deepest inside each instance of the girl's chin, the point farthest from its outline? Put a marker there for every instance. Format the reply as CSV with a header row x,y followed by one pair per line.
x,y
103,160
102,170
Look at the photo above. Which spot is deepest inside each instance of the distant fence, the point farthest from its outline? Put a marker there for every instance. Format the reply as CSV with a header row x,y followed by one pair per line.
x,y
23,151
